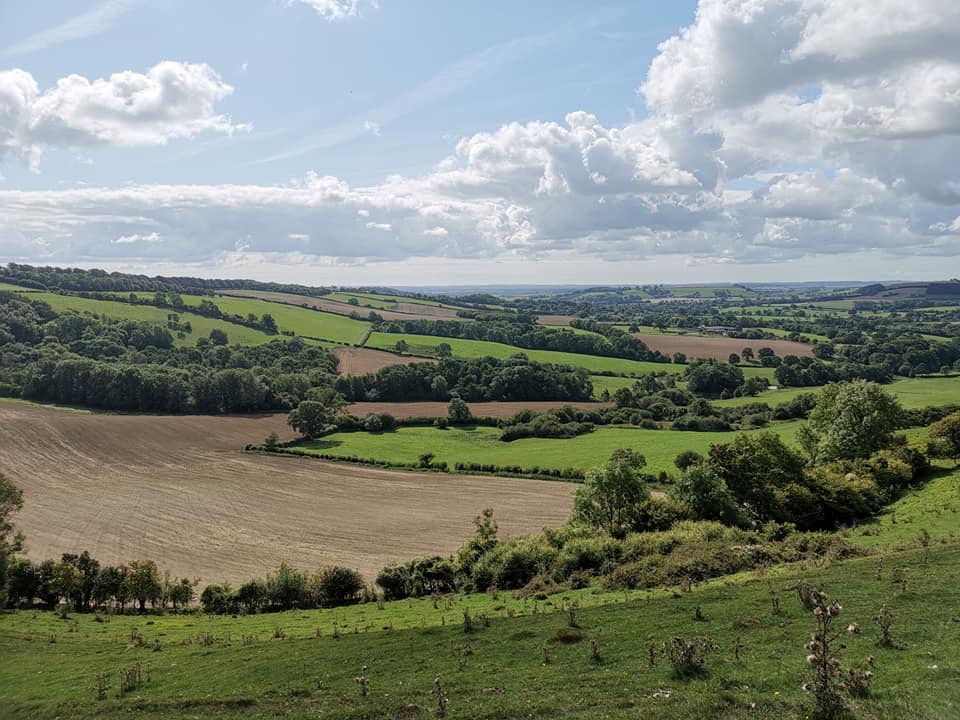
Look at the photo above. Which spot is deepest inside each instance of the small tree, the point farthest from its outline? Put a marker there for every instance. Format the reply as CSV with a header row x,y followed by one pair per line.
x,y
851,420
611,495
734,359
747,354
311,417
142,582
945,437
458,412
219,337
11,541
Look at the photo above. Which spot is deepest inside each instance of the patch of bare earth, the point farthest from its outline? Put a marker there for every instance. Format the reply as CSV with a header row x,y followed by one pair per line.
x,y
360,361
479,409
719,347
562,320
177,490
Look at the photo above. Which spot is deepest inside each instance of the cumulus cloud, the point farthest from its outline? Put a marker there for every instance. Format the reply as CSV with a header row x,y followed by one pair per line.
x,y
171,100
137,238
778,130
338,10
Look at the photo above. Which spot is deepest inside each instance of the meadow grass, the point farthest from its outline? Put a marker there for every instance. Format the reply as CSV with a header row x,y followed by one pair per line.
x,y
471,349
237,334
508,667
475,444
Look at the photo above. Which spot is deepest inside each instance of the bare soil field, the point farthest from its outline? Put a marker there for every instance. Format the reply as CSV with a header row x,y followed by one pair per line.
x,y
718,347
404,311
480,409
429,311
360,361
562,320
177,490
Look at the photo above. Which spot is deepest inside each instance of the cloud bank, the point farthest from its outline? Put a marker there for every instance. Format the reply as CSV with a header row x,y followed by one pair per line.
x,y
777,130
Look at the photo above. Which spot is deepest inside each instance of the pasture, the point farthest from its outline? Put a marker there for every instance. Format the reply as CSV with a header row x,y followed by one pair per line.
x,y
514,666
299,320
479,409
177,489
325,304
237,334
481,348
471,444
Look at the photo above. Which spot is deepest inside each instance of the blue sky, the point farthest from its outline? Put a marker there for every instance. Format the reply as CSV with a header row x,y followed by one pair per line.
x,y
425,73
351,141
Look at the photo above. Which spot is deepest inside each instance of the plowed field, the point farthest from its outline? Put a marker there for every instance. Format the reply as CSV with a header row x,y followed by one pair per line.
x,y
360,361
719,347
176,489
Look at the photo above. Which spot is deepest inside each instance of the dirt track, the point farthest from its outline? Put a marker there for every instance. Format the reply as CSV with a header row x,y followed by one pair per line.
x,y
360,361
719,347
176,490
480,409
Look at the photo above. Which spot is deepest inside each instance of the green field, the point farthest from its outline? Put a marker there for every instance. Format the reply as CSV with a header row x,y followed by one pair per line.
x,y
480,445
609,383
301,321
481,348
16,288
912,393
48,666
237,334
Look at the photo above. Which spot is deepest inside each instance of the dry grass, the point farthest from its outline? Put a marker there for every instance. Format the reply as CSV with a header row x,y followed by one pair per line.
x,y
360,361
479,409
176,489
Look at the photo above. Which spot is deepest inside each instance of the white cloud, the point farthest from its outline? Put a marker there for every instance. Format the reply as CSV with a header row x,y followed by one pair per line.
x,y
372,127
100,18
779,131
338,10
171,100
137,238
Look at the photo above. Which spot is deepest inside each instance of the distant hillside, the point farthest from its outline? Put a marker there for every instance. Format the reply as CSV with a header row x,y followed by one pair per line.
x,y
899,291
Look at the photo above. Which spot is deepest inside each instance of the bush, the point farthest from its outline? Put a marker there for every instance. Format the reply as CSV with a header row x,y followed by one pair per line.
x,y
336,585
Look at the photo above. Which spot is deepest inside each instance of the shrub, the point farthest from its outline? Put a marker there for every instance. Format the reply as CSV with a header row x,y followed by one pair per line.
x,y
336,585
688,657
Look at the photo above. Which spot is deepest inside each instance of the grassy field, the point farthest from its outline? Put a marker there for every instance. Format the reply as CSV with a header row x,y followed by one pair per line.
x,y
301,321
480,445
481,348
912,393
49,665
238,334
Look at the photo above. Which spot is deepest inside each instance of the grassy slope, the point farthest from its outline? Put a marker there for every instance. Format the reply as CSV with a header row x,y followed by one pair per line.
x,y
238,334
480,445
300,320
482,348
912,393
504,676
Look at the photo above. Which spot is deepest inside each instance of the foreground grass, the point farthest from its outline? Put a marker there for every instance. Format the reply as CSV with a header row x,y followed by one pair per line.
x,y
480,445
503,673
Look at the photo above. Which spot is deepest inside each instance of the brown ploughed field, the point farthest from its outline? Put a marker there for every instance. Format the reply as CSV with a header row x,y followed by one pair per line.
x,y
360,361
563,320
719,347
176,489
480,409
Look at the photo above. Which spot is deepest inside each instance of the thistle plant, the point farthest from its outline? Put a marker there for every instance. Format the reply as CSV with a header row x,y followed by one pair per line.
x,y
831,681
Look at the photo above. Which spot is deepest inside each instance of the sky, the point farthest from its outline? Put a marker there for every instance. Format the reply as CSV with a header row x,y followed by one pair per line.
x,y
354,142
